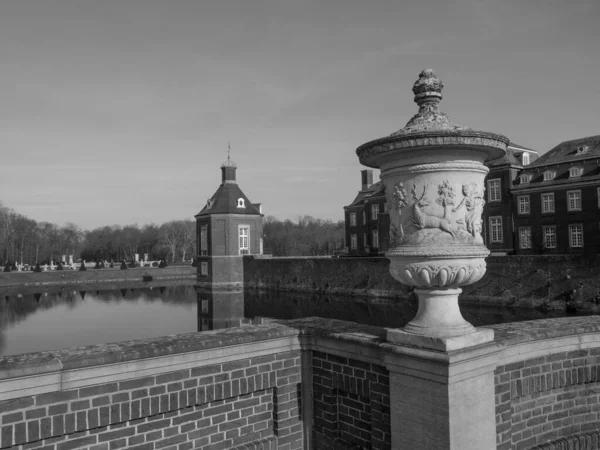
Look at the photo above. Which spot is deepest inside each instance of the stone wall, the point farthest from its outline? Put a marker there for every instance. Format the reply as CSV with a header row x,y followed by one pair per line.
x,y
551,282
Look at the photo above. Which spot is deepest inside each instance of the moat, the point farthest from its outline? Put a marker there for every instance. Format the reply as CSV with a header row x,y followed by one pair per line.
x,y
47,318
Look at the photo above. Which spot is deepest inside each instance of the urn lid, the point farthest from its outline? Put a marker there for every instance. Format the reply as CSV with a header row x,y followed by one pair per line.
x,y
431,127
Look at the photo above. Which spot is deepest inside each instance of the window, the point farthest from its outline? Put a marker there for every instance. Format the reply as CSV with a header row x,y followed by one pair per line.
x,y
576,235
353,241
549,175
575,172
494,194
352,219
524,204
203,240
244,239
574,200
365,243
375,239
204,268
240,203
550,237
524,237
204,306
525,158
364,217
525,178
548,203
496,229
374,212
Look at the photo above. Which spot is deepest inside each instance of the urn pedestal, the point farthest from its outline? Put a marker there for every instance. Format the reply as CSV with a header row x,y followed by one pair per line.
x,y
434,174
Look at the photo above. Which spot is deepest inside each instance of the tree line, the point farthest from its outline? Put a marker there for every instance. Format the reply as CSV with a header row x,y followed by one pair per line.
x,y
25,240
307,237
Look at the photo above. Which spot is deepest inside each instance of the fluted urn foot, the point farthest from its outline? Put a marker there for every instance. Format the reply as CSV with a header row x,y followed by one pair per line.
x,y
439,314
438,324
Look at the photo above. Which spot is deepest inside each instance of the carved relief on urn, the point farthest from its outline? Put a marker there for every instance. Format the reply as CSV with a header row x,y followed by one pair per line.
x,y
434,175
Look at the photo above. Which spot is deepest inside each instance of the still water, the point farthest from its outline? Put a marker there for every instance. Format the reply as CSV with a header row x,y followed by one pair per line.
x,y
50,318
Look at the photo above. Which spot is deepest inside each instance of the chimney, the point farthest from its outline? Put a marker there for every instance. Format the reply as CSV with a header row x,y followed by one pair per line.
x,y
367,178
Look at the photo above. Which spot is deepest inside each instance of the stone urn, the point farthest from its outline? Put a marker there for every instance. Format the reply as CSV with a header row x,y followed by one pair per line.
x,y
434,174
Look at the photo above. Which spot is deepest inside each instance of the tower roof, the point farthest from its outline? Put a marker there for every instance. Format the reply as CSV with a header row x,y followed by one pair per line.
x,y
226,200
229,198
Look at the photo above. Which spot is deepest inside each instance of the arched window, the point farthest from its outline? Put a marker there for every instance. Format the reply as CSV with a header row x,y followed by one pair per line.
x,y
525,159
240,203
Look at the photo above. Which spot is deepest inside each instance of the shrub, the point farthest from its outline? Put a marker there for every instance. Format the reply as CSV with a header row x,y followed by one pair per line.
x,y
133,265
14,266
112,265
123,265
37,268
7,267
162,264
59,266
82,267
195,262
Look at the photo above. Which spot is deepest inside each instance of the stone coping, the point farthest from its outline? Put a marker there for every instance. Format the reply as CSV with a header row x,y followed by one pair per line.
x,y
506,335
532,330
26,364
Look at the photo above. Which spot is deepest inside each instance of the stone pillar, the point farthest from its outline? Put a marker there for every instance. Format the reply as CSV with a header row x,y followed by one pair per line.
x,y
137,257
443,400
71,260
441,371
145,257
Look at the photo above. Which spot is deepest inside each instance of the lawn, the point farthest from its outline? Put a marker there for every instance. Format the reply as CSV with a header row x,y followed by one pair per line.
x,y
94,276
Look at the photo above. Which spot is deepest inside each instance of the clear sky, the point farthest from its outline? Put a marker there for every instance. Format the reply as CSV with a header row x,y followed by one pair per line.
x,y
119,111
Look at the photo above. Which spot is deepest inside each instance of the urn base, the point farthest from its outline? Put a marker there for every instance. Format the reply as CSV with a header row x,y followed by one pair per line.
x,y
444,344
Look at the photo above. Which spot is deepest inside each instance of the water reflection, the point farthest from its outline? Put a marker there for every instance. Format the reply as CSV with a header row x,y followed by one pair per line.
x,y
217,310
57,317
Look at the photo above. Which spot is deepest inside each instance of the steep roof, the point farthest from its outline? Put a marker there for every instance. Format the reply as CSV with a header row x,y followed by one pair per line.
x,y
375,189
575,150
225,201
509,158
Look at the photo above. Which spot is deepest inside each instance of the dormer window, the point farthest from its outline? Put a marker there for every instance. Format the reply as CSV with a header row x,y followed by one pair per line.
x,y
525,178
575,172
208,204
240,203
549,175
581,150
525,158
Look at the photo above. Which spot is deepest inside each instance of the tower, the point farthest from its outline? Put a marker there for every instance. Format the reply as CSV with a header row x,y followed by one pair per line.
x,y
228,227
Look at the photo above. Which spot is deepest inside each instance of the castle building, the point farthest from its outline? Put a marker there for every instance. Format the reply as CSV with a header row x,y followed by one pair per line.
x,y
228,226
533,205
367,219
497,218
556,201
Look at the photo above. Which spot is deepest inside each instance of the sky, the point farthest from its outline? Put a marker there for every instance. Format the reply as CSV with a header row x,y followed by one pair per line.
x,y
119,112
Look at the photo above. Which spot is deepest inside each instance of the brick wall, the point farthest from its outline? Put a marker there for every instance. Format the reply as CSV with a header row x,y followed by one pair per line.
x,y
246,403
554,397
351,404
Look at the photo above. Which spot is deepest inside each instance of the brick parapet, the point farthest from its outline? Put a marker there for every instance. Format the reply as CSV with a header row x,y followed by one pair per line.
x,y
248,399
547,384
